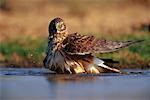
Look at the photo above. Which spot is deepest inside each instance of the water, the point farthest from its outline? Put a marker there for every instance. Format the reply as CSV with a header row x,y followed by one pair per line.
x,y
41,84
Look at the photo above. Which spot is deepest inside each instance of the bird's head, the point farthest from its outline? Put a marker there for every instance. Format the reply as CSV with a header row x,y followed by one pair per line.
x,y
57,25
57,31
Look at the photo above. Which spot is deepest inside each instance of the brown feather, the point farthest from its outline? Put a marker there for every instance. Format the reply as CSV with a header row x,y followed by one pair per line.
x,y
82,44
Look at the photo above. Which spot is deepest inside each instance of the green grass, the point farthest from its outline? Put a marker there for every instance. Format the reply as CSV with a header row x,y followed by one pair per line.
x,y
25,49
34,50
143,49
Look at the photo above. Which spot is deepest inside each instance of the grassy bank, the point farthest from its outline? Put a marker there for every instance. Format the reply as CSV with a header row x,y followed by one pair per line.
x,y
28,52
24,52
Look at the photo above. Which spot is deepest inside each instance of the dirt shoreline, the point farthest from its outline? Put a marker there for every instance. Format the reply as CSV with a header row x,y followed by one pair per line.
x,y
40,65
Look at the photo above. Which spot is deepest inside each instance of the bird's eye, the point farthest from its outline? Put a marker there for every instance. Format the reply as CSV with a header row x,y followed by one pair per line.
x,y
60,26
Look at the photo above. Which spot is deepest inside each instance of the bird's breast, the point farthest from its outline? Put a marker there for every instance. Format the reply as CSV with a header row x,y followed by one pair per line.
x,y
57,57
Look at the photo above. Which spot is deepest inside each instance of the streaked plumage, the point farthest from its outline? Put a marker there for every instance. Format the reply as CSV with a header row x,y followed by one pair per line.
x,y
78,44
74,53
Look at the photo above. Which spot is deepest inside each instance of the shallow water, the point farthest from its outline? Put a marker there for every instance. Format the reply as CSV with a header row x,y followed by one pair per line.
x,y
41,84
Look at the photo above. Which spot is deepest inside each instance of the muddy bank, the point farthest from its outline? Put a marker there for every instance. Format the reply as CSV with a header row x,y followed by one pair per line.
x,y
30,64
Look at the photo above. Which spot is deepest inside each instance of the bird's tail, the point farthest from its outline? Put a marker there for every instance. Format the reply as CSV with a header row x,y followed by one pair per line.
x,y
100,63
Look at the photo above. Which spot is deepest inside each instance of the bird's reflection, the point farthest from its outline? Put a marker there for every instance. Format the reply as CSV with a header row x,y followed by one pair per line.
x,y
71,77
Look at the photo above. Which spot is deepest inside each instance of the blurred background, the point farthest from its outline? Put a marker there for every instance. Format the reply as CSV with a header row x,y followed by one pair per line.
x,y
24,28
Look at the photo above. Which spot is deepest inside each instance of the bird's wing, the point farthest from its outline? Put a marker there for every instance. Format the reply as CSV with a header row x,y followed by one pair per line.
x,y
83,44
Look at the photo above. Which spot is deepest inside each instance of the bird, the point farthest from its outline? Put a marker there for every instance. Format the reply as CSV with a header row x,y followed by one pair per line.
x,y
75,53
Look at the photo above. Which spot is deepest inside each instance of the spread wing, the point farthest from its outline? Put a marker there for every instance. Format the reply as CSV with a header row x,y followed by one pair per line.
x,y
83,44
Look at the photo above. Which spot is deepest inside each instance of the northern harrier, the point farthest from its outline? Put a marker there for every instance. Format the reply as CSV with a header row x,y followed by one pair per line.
x,y
74,53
